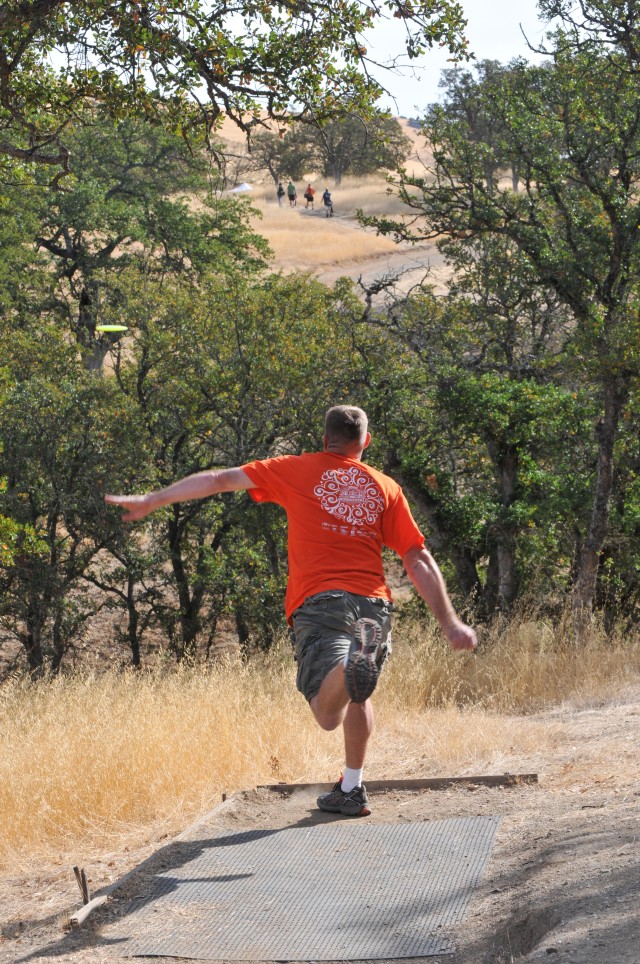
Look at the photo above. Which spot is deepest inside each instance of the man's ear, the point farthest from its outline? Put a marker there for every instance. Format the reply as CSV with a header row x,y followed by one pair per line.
x,y
367,439
325,442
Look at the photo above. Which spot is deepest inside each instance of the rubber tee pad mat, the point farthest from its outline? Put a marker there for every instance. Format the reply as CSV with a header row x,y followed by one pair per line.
x,y
340,891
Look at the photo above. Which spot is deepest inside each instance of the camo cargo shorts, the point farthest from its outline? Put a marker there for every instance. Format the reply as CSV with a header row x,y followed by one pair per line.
x,y
325,626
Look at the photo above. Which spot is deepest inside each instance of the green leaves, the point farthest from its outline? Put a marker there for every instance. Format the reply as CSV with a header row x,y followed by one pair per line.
x,y
130,211
195,63
569,131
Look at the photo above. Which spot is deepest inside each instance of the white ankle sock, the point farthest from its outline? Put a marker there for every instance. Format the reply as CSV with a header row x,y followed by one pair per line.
x,y
351,778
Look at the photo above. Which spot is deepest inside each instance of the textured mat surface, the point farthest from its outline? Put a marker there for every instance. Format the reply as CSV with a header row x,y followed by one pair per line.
x,y
342,891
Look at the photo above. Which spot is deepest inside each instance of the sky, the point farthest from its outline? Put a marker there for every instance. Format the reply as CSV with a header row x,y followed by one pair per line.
x,y
494,33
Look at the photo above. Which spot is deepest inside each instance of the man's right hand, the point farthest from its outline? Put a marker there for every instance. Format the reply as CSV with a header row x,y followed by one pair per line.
x,y
198,486
134,507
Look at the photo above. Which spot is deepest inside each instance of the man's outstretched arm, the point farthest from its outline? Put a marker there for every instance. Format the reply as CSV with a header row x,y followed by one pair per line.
x,y
198,486
425,575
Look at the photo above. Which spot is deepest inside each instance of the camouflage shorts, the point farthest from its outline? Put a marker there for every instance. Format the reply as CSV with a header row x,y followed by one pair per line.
x,y
325,627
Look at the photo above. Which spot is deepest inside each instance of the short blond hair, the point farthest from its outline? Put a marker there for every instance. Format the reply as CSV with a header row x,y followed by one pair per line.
x,y
346,424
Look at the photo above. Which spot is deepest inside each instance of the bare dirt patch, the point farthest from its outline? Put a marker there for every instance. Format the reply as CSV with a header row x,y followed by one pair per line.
x,y
562,882
410,265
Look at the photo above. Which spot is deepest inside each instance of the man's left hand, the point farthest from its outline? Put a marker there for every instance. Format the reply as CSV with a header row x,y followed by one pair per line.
x,y
460,636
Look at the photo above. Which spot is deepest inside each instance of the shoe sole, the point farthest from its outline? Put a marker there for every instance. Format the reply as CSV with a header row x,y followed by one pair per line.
x,y
360,677
368,640
363,812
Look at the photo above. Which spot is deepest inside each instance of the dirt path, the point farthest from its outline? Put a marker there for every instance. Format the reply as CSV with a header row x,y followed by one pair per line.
x,y
411,264
563,881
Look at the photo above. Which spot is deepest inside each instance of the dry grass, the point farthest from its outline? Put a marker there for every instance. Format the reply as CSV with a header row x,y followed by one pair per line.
x,y
303,240
102,761
96,757
371,195
528,665
306,239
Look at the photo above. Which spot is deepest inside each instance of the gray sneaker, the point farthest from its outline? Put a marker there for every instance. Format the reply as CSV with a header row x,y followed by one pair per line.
x,y
366,659
368,640
360,676
355,803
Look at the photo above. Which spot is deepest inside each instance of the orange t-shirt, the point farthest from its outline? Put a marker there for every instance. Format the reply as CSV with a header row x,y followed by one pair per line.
x,y
340,513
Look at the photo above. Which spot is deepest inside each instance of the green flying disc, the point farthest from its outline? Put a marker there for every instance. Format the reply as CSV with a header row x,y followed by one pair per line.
x,y
111,328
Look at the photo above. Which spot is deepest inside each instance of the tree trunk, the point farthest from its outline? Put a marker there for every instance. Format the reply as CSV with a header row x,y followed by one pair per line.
x,y
94,348
466,571
32,642
506,463
188,617
35,618
507,575
58,641
242,630
132,623
491,592
439,538
616,391
94,360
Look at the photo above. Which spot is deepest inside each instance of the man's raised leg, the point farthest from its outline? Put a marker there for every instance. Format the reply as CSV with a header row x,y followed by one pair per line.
x,y
330,705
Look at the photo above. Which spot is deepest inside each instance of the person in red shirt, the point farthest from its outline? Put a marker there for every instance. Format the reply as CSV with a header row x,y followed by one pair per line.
x,y
340,513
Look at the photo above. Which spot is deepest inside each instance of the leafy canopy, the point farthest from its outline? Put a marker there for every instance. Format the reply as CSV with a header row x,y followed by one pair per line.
x,y
194,62
347,145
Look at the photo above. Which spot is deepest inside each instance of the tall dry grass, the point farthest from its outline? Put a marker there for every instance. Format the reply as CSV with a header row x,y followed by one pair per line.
x,y
521,667
99,760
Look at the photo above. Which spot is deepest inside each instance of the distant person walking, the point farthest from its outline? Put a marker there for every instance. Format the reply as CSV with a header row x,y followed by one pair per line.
x,y
280,192
308,196
328,203
292,194
340,513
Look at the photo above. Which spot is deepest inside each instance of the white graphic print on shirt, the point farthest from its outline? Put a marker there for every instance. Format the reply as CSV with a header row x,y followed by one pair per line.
x,y
350,495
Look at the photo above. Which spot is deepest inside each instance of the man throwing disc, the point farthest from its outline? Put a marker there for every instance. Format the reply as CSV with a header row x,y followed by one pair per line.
x,y
340,513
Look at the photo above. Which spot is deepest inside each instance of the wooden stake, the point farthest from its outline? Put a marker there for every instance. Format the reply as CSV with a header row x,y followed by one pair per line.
x,y
433,783
81,878
86,897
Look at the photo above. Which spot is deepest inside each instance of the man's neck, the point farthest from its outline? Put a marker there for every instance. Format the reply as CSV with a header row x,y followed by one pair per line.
x,y
345,453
